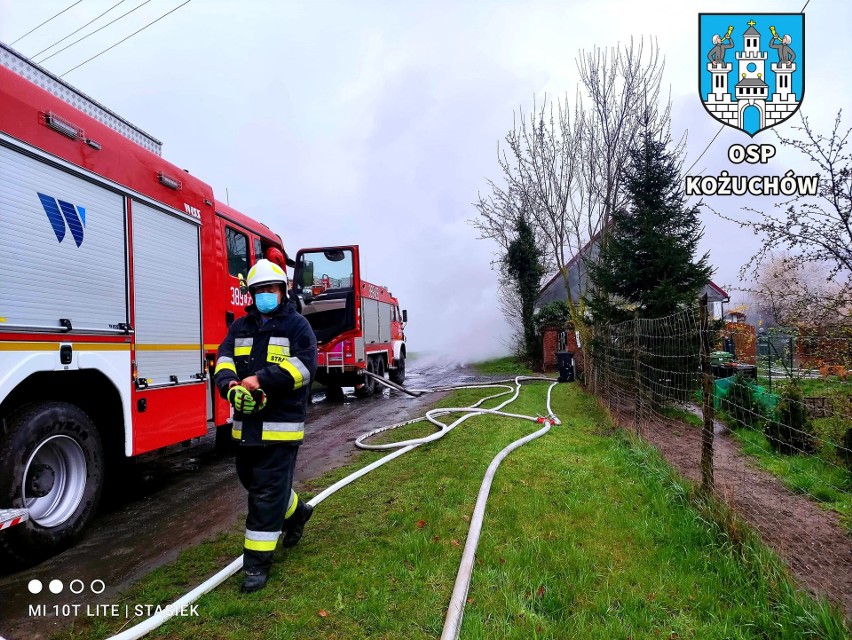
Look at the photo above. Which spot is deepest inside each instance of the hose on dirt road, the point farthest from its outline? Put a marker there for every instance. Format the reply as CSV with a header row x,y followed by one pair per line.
x,y
455,611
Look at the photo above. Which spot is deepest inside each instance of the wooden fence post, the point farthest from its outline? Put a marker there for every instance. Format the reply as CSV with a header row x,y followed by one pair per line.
x,y
707,409
637,380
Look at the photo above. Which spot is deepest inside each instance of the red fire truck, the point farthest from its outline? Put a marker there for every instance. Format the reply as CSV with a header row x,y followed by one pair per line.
x,y
119,274
359,326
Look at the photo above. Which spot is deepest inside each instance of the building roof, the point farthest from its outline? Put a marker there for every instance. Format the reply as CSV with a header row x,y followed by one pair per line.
x,y
715,293
751,31
751,82
574,259
555,288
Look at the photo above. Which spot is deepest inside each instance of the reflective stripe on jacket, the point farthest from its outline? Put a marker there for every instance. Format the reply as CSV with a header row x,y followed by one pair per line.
x,y
282,353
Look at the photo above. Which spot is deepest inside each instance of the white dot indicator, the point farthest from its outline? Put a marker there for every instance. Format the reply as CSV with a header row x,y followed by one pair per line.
x,y
100,588
35,586
55,586
80,585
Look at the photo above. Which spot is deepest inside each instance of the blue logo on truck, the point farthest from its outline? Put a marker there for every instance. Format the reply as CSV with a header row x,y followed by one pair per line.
x,y
61,213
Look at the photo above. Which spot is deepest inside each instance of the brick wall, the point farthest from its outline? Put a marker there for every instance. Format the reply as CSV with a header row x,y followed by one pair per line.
x,y
550,341
550,344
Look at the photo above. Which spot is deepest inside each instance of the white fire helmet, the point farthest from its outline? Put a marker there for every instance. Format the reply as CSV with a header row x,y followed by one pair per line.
x,y
266,272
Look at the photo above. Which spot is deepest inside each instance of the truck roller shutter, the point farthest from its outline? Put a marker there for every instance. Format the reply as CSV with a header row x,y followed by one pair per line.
x,y
62,244
385,316
167,298
370,319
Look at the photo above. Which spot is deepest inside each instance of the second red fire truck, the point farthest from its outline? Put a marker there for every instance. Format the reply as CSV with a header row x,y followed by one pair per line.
x,y
359,326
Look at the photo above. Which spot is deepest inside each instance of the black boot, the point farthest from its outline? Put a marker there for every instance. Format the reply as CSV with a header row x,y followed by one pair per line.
x,y
254,580
295,528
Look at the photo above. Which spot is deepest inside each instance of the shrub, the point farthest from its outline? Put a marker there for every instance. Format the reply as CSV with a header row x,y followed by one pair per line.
x,y
555,313
742,405
792,430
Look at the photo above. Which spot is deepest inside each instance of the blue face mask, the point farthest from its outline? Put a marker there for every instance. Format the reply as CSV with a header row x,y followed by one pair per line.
x,y
266,302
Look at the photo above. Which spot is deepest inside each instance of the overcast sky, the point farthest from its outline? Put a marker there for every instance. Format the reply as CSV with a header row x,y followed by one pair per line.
x,y
377,123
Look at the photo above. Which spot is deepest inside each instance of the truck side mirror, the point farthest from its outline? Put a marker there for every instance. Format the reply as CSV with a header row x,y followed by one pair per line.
x,y
405,315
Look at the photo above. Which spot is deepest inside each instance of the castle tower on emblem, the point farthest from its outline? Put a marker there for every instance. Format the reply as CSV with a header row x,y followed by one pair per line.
x,y
751,89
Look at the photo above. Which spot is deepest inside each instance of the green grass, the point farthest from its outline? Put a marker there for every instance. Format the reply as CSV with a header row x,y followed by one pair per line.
x,y
506,364
828,484
820,387
676,413
588,534
820,475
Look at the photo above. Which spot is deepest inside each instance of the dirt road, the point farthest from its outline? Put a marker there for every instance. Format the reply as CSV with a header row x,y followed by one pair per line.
x,y
190,494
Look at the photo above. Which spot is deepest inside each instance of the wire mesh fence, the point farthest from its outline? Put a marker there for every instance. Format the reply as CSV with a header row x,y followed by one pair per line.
x,y
769,432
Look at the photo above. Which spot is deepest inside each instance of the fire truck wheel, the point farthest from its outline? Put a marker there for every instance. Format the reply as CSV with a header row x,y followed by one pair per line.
x,y
51,462
367,389
398,375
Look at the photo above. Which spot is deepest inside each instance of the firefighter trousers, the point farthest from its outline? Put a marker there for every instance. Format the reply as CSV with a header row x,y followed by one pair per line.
x,y
267,474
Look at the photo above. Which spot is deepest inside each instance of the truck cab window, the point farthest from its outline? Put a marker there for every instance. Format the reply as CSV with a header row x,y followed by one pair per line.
x,y
258,249
325,280
237,244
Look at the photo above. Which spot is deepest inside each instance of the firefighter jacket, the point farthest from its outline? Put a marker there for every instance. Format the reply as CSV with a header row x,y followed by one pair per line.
x,y
282,353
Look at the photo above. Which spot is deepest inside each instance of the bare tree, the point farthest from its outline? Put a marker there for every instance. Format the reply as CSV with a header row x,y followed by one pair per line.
x,y
790,293
563,165
566,164
535,184
623,88
814,230
512,310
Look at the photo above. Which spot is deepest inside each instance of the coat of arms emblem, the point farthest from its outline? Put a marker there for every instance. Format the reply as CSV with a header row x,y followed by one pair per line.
x,y
751,67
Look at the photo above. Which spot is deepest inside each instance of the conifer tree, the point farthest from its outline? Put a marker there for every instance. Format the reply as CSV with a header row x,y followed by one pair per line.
x,y
647,259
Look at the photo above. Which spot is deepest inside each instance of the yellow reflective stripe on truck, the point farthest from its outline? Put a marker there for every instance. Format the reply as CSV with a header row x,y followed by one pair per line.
x,y
54,346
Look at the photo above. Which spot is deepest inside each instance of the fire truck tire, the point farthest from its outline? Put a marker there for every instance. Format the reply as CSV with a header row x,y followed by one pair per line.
x,y
398,375
368,387
52,463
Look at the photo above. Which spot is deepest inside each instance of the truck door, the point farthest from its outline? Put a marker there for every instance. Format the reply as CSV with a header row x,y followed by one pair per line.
x,y
169,397
238,246
232,265
327,279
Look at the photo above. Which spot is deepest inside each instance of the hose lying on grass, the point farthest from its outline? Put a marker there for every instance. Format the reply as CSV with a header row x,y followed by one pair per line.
x,y
455,611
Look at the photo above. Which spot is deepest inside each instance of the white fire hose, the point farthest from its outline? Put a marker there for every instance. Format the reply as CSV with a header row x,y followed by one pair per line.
x,y
455,611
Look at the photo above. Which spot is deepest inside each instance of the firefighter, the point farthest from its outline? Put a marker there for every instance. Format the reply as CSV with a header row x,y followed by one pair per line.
x,y
264,369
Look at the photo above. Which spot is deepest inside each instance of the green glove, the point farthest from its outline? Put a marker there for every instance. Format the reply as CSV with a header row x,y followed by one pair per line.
x,y
241,399
259,397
